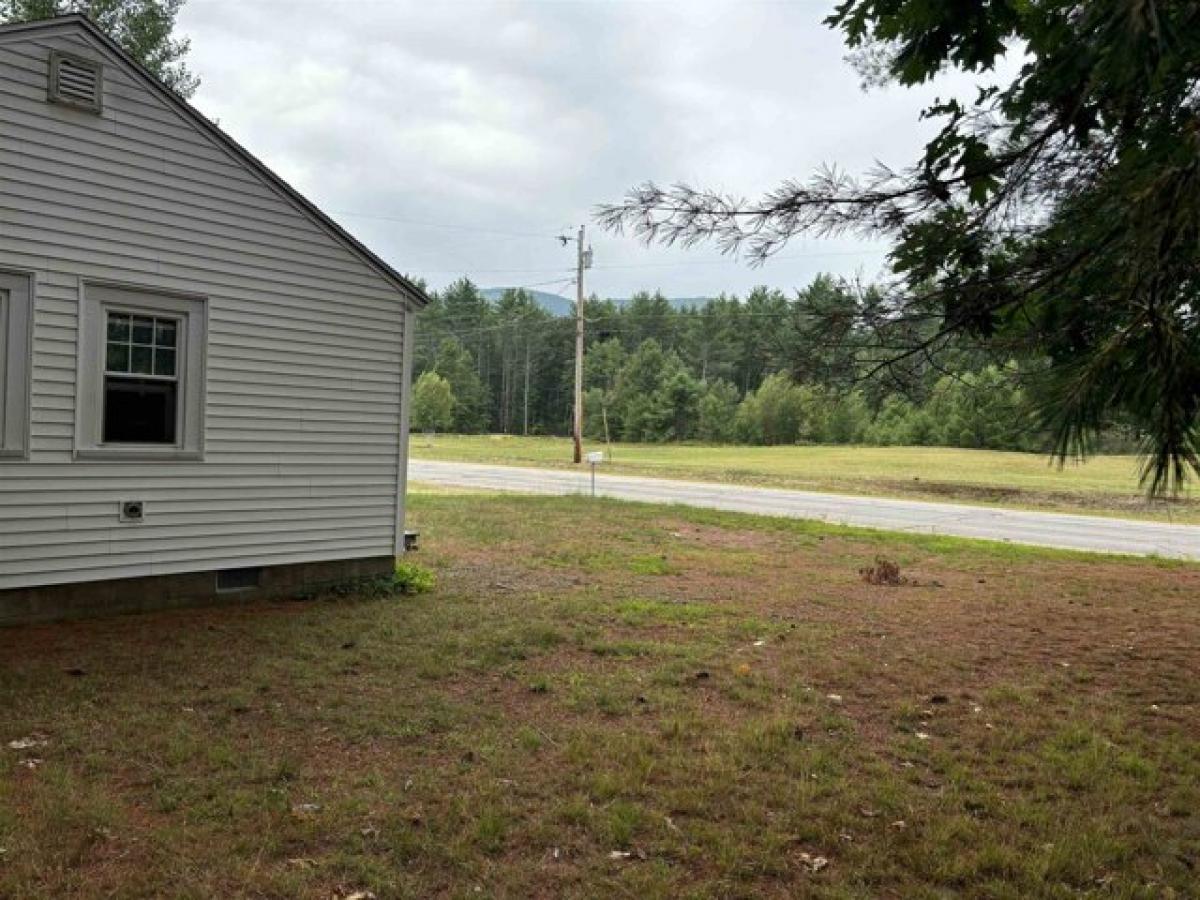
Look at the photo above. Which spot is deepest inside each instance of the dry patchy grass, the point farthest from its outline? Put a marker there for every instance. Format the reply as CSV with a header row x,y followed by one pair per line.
x,y
606,699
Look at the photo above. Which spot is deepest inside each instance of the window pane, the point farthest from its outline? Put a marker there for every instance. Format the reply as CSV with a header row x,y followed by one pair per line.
x,y
141,360
118,327
164,362
164,333
143,330
117,358
137,411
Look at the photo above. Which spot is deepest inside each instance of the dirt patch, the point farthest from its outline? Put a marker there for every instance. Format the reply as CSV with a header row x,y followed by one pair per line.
x,y
722,538
1112,503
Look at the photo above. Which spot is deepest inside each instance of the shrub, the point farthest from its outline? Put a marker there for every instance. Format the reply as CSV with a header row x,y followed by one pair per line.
x,y
716,412
411,578
830,417
432,403
898,423
773,413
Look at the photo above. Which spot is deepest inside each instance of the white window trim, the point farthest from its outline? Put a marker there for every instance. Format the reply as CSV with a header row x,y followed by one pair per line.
x,y
16,338
96,301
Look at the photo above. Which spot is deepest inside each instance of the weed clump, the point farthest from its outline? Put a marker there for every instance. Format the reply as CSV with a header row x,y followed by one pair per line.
x,y
884,572
407,578
410,578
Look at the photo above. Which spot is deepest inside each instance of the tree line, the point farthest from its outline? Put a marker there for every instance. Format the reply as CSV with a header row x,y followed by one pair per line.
x,y
763,369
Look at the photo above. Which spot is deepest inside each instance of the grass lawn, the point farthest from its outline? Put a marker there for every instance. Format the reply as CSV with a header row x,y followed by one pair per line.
x,y
1105,485
616,700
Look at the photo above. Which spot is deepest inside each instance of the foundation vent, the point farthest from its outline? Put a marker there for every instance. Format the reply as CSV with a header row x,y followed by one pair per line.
x,y
239,579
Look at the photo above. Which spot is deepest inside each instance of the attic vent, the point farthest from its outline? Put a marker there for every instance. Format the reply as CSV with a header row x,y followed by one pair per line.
x,y
76,82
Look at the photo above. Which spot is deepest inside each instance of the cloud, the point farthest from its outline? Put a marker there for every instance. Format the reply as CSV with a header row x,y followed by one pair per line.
x,y
460,137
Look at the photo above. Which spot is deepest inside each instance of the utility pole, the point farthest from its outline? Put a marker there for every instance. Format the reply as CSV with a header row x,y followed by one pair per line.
x,y
577,431
583,260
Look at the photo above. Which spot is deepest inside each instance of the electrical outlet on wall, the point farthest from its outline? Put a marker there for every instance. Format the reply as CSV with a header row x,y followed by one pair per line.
x,y
132,511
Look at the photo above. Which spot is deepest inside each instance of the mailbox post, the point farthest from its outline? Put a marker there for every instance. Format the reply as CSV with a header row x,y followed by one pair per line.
x,y
594,458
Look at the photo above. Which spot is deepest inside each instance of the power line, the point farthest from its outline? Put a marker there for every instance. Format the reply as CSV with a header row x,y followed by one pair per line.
x,y
467,273
730,259
651,265
616,321
521,287
550,234
745,314
537,313
544,317
508,323
546,235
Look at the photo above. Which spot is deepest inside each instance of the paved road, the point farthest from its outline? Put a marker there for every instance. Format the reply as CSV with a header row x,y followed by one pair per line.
x,y
1046,529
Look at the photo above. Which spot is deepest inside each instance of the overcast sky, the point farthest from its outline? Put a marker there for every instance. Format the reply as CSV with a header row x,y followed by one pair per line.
x,y
459,137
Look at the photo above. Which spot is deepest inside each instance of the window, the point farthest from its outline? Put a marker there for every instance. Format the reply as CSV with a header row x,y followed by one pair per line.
x,y
141,374
141,379
16,331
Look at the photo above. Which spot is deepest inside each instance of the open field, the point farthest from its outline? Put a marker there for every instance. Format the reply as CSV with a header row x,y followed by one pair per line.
x,y
605,699
1105,485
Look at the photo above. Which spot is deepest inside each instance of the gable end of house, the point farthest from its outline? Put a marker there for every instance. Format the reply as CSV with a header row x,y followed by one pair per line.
x,y
75,96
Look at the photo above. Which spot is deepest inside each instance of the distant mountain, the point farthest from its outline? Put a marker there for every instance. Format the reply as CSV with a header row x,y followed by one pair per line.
x,y
554,304
677,302
558,305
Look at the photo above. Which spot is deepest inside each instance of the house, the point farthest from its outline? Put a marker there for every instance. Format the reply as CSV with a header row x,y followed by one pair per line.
x,y
203,379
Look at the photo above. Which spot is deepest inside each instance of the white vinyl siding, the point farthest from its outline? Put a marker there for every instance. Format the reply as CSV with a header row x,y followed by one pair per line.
x,y
301,424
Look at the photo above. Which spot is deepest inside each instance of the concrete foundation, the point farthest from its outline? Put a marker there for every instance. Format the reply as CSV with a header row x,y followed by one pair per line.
x,y
124,595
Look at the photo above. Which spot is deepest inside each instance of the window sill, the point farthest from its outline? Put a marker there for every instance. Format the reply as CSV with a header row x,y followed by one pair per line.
x,y
149,454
